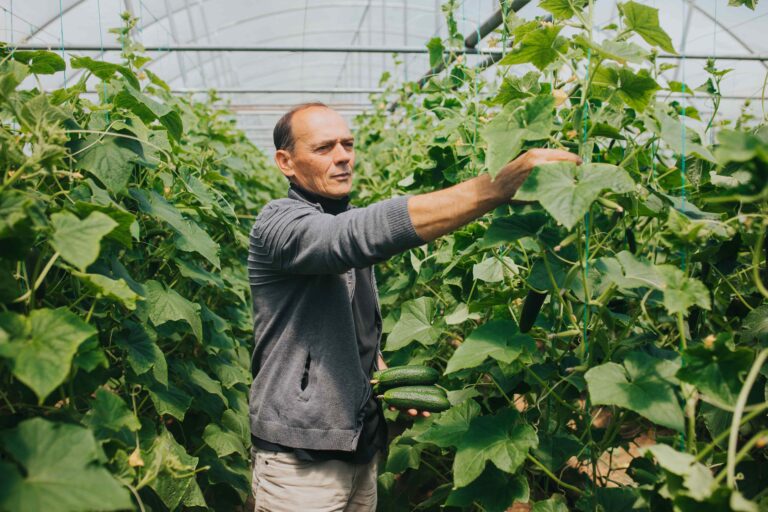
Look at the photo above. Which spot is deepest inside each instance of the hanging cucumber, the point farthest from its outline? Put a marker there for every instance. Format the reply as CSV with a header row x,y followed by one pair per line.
x,y
411,375
423,398
631,243
531,307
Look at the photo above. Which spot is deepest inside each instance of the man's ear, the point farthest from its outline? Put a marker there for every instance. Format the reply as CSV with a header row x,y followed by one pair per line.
x,y
284,161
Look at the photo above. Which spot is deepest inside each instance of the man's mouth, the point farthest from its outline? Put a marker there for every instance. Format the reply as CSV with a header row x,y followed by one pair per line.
x,y
341,175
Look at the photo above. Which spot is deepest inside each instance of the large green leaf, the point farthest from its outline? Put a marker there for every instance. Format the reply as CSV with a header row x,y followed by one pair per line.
x,y
104,70
149,109
748,3
493,269
681,140
57,469
697,478
556,503
192,238
79,241
416,323
563,9
170,400
644,20
436,49
494,490
450,427
620,51
636,89
644,393
566,190
755,324
142,352
738,146
539,47
499,339
680,292
717,369
127,227
516,87
109,414
223,441
501,439
42,345
117,290
513,227
518,122
40,62
169,469
109,157
166,305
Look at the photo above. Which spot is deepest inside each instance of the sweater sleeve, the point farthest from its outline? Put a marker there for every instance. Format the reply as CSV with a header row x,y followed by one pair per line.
x,y
296,238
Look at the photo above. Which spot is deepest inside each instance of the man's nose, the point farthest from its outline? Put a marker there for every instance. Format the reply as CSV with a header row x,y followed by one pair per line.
x,y
341,154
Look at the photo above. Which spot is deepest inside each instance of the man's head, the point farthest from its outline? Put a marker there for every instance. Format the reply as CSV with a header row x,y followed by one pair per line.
x,y
315,149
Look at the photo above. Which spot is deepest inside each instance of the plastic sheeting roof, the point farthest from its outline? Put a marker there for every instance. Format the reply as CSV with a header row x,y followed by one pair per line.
x,y
702,27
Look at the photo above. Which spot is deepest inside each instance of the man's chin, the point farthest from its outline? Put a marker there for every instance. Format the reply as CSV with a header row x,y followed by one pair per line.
x,y
338,192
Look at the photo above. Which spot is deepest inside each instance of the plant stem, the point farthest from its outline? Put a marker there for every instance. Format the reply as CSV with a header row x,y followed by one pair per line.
x,y
552,475
741,402
681,330
756,263
743,452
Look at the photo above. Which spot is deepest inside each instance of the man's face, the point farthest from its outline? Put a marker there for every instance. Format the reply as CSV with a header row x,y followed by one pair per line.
x,y
323,154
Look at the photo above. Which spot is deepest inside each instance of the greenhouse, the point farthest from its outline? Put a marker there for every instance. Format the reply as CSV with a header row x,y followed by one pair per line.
x,y
393,255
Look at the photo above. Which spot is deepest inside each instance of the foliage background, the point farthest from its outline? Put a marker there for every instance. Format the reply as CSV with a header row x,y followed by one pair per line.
x,y
125,324
125,330
641,385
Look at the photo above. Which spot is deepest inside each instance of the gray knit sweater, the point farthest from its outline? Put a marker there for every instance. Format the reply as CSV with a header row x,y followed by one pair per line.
x,y
300,270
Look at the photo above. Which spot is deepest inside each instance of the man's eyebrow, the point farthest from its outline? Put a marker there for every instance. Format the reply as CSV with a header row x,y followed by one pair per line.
x,y
332,141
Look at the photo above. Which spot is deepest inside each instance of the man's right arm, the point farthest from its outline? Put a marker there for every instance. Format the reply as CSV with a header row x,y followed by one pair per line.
x,y
298,239
438,213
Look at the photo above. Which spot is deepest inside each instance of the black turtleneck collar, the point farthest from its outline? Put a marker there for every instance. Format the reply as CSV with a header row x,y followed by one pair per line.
x,y
329,205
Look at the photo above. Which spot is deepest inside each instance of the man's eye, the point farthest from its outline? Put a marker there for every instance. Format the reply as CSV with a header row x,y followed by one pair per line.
x,y
349,145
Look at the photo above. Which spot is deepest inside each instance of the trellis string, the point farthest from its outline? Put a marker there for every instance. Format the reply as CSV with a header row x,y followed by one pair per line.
x,y
101,45
61,25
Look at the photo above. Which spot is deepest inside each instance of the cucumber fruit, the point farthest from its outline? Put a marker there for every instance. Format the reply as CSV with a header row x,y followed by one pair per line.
x,y
531,307
423,398
411,375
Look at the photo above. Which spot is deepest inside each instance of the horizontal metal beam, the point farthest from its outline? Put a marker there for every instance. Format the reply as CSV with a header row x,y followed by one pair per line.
x,y
760,58
258,49
270,91
340,49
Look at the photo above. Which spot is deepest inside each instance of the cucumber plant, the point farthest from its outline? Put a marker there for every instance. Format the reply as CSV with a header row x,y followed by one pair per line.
x,y
124,312
641,338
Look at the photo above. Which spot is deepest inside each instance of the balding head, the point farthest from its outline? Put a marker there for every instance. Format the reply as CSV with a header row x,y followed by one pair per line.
x,y
317,150
283,133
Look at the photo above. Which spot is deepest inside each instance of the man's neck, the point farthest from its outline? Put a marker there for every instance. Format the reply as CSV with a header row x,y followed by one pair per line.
x,y
329,204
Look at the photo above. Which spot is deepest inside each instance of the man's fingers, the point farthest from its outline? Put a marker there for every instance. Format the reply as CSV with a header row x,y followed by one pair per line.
x,y
411,412
541,156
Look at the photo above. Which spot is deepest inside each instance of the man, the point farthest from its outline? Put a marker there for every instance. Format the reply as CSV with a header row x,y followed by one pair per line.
x,y
316,427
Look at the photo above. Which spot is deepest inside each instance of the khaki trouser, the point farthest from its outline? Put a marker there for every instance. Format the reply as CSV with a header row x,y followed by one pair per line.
x,y
283,483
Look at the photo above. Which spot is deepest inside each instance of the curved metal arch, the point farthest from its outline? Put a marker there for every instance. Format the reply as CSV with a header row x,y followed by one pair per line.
x,y
277,56
314,7
284,36
168,15
209,60
727,30
209,33
48,22
310,79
